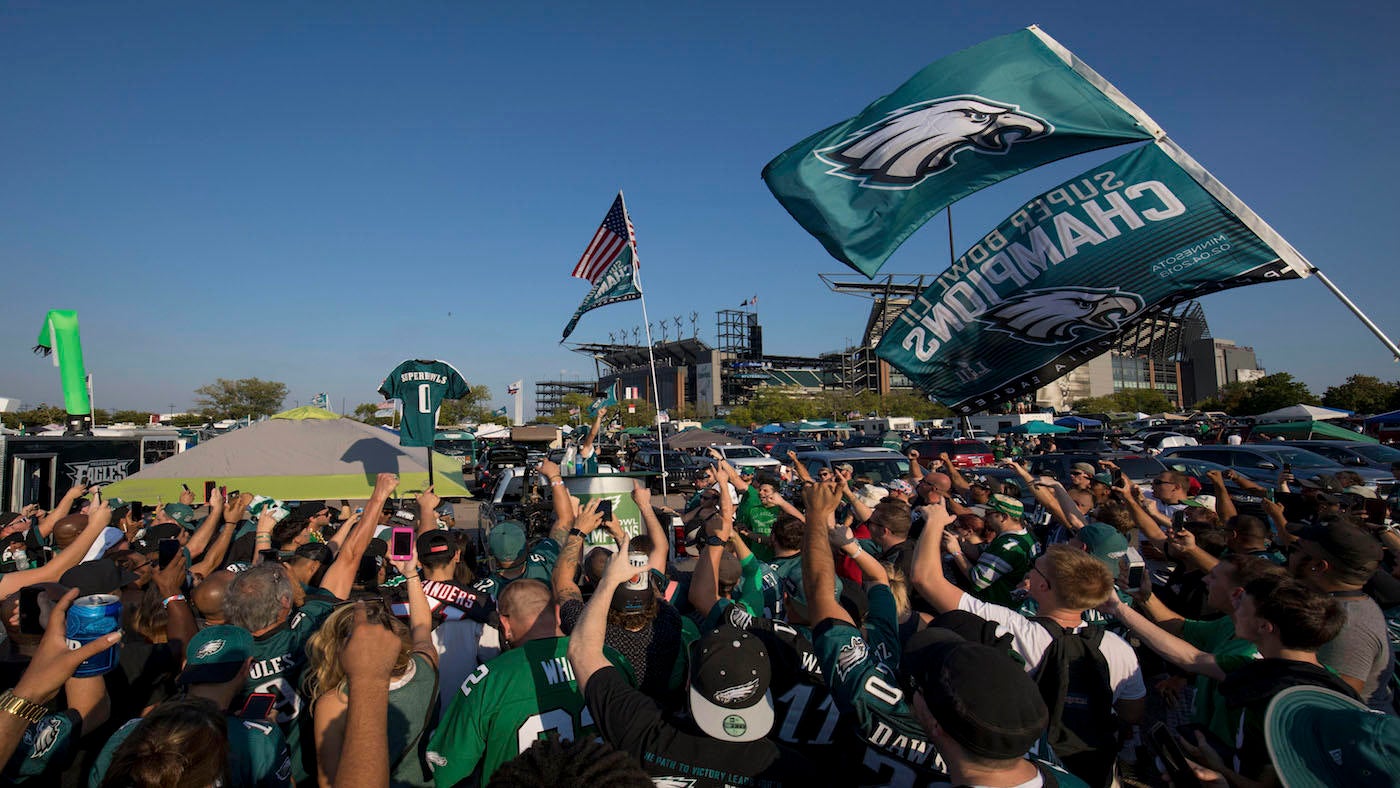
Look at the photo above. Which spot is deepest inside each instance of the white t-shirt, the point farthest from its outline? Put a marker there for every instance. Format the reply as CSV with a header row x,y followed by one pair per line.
x,y
1031,641
462,645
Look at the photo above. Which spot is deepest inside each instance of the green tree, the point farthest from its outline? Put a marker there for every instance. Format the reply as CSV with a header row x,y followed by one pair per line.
x,y
365,412
644,417
470,408
137,417
563,417
37,416
1229,399
187,420
1361,393
1275,391
243,398
1126,401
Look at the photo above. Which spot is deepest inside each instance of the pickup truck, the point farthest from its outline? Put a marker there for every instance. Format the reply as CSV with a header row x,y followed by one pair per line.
x,y
751,456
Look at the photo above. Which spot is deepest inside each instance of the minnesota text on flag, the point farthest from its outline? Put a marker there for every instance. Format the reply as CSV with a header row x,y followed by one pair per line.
x,y
618,283
613,234
963,123
1058,281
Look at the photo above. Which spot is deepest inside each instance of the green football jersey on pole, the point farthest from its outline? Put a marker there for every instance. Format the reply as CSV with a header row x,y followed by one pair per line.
x,y
964,123
504,706
421,386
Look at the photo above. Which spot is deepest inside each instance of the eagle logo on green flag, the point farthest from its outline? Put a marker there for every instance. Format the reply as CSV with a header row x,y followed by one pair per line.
x,y
923,139
1057,315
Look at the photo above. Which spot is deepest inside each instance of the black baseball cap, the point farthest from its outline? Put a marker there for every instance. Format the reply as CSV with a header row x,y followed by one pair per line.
x,y
980,697
315,551
436,544
103,576
308,509
8,517
729,679
1350,549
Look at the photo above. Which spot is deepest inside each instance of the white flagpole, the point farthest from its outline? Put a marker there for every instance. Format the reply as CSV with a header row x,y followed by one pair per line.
x,y
651,354
1356,310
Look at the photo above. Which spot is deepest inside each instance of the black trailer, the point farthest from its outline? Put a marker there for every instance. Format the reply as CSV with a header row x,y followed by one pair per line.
x,y
41,468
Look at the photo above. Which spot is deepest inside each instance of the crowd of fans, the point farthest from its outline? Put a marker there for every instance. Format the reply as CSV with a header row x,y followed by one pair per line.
x,y
938,628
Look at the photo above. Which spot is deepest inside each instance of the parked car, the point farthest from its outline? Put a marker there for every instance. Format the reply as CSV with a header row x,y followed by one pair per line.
x,y
877,465
679,473
965,452
497,458
1140,469
780,450
1263,461
748,455
1246,501
1353,454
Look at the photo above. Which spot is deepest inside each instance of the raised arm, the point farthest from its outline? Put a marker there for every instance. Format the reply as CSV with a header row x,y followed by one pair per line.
x,y
871,569
960,483
62,508
586,641
1171,648
916,471
565,575
1224,504
656,559
219,514
558,495
340,577
428,502
803,475
98,518
215,552
420,616
928,578
180,625
858,507
818,565
585,449
1145,520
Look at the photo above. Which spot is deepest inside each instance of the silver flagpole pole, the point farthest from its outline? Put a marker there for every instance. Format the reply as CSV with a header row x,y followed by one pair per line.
x,y
1355,310
651,356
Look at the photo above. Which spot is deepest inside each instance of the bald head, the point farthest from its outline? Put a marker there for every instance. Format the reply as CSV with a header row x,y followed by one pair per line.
x,y
209,595
527,611
67,529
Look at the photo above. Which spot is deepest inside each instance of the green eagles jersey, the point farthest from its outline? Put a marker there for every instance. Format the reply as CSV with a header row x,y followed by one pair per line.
x,y
422,386
1002,566
505,705
539,565
257,754
279,657
49,743
1218,638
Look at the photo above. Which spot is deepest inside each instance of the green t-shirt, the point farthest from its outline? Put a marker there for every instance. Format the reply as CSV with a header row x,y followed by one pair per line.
x,y
507,704
279,657
410,698
422,385
539,565
257,754
759,519
1002,566
1217,637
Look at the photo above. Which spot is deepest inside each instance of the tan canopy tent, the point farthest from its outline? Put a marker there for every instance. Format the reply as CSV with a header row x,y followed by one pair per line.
x,y
302,454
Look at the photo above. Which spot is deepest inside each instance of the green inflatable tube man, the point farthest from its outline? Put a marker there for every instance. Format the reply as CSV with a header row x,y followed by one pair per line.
x,y
59,337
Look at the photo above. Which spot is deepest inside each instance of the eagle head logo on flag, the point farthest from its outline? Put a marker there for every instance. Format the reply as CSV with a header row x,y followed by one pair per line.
x,y
1057,315
921,140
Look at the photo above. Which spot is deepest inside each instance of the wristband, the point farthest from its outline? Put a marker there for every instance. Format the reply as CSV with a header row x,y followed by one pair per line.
x,y
844,542
172,598
576,532
557,483
412,577
714,541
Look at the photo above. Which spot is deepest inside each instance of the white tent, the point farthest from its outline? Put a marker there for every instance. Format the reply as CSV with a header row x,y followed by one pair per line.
x,y
1302,413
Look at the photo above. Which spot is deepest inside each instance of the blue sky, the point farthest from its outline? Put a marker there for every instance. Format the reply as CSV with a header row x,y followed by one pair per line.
x,y
312,192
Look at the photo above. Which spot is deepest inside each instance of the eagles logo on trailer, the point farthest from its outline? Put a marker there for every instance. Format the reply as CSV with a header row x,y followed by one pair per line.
x,y
1058,315
923,139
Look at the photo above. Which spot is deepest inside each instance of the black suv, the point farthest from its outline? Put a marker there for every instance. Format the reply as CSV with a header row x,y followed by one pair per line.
x,y
504,455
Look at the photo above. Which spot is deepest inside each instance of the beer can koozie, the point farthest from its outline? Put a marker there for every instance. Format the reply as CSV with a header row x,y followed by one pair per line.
x,y
90,618
641,580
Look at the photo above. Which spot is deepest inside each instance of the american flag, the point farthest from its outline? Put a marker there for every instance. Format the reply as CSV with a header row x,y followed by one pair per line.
x,y
615,233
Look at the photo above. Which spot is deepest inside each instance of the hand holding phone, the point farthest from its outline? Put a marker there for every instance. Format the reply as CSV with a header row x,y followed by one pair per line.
x,y
401,543
605,508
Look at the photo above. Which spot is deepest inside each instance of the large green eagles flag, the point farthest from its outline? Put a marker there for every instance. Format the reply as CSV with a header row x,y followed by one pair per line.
x,y
963,123
1056,283
618,283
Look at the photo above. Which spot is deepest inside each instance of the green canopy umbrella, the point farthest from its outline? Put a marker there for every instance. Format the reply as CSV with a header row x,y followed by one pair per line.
x,y
636,431
1036,428
1313,430
715,424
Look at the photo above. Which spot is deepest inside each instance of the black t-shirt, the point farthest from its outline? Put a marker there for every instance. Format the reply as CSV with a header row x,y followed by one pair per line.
x,y
632,722
653,652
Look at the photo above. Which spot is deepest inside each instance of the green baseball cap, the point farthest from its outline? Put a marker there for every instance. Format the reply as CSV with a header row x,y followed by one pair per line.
x,y
1106,544
1007,505
507,541
216,654
181,513
1320,737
